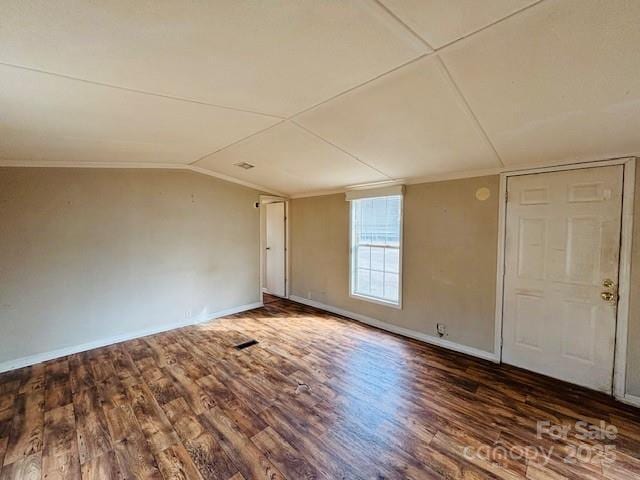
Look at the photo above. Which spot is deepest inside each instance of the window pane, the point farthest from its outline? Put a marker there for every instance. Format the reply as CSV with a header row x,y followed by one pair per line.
x,y
362,280
376,247
377,283
392,260
377,258
391,286
364,255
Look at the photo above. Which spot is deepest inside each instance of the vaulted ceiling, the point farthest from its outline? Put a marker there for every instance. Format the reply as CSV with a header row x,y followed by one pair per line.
x,y
319,94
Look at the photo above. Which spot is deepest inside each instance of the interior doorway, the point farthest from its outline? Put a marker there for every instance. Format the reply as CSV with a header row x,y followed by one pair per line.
x,y
274,249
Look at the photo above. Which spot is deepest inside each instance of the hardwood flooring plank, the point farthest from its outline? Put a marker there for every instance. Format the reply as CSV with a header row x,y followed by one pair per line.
x,y
210,459
624,467
154,423
102,367
56,373
112,392
122,423
33,379
316,450
27,427
7,406
5,429
60,457
164,390
497,467
80,375
289,461
124,365
58,395
183,419
93,437
319,397
102,467
65,466
176,464
245,420
26,468
189,390
135,460
247,458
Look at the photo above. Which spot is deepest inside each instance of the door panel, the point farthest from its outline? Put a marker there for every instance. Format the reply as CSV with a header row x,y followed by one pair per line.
x,y
562,242
275,249
528,309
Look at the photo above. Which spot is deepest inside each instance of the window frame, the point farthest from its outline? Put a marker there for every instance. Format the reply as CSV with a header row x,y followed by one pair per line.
x,y
352,269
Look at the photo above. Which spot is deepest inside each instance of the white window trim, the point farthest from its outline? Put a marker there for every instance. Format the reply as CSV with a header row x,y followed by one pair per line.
x,y
365,298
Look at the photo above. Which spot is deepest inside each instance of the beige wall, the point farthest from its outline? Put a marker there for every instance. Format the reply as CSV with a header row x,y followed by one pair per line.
x,y
449,259
89,254
450,247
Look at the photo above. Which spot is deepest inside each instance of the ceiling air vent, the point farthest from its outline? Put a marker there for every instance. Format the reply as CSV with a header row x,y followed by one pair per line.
x,y
245,165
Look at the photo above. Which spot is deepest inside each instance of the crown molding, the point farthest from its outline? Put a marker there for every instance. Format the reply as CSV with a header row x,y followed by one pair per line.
x,y
318,193
593,161
230,179
410,181
138,165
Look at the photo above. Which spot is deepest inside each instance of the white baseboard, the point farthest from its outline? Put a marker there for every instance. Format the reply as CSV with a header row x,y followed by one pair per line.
x,y
423,337
103,342
629,399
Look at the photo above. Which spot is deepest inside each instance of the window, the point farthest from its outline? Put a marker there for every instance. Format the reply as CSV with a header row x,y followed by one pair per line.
x,y
376,242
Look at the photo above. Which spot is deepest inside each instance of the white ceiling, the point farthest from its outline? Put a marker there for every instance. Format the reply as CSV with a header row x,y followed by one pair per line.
x,y
304,162
320,95
46,117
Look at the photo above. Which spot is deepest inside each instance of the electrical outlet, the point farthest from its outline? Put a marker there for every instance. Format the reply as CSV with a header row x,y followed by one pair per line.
x,y
187,314
441,328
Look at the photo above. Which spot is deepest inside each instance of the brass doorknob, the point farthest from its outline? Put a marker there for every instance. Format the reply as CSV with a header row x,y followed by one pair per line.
x,y
608,283
607,296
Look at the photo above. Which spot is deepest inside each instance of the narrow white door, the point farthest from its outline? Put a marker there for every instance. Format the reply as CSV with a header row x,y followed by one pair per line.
x,y
275,249
561,274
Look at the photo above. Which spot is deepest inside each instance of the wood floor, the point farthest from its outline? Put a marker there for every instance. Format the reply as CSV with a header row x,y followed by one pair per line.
x,y
319,397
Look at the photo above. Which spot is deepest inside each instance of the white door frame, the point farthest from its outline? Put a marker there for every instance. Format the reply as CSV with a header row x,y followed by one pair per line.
x,y
265,199
622,319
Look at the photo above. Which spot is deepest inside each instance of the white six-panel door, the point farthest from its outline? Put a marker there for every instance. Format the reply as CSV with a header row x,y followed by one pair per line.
x,y
275,249
562,251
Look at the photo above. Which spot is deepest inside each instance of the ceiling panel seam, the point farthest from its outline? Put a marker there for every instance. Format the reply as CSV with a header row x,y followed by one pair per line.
x,y
433,51
262,130
351,89
227,107
404,25
360,85
489,25
473,117
141,92
341,149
